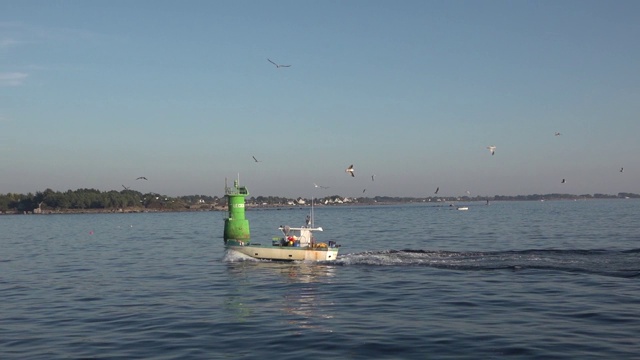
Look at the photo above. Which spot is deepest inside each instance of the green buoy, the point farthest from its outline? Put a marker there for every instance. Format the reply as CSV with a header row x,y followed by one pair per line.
x,y
236,227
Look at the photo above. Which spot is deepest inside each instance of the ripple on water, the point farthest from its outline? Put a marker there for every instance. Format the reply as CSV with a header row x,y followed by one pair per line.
x,y
525,280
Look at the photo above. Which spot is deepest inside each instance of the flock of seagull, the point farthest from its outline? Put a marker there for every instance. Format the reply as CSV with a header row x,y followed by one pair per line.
x,y
492,150
351,171
138,178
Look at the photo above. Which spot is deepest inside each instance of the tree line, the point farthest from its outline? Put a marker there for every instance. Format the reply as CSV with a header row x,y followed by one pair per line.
x,y
92,199
84,199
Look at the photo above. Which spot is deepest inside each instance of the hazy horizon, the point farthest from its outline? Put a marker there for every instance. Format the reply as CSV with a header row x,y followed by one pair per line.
x,y
315,195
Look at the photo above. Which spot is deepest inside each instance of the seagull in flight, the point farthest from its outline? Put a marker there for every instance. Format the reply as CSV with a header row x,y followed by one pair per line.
x,y
437,189
142,178
350,170
492,149
277,65
320,186
256,160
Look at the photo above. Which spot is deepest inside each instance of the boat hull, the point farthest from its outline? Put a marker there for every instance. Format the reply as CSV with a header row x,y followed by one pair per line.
x,y
286,253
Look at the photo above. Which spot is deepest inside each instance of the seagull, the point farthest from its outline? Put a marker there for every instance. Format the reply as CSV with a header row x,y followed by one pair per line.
x,y
492,149
256,160
558,134
621,169
437,189
350,170
277,66
142,178
320,186
563,181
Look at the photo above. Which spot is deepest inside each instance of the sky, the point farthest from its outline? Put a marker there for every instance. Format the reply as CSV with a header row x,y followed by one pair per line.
x,y
94,94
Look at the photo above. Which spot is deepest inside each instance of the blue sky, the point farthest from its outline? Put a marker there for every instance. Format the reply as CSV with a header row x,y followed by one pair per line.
x,y
94,94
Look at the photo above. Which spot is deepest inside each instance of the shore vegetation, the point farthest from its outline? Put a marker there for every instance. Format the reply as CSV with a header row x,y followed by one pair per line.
x,y
92,200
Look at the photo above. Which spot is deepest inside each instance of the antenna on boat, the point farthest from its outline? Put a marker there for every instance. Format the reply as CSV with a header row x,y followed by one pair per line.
x,y
311,222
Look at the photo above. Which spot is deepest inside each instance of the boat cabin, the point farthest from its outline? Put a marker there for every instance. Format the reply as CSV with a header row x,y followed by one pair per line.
x,y
299,237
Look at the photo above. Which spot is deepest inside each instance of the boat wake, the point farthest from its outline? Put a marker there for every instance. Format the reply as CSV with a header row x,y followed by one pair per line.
x,y
603,262
234,256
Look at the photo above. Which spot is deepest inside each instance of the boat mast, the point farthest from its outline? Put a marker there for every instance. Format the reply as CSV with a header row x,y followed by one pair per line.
x,y
312,212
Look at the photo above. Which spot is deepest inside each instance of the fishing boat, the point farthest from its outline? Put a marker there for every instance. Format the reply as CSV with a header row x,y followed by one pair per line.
x,y
294,243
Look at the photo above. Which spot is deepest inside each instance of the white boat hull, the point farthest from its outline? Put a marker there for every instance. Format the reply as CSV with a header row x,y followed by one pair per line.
x,y
285,253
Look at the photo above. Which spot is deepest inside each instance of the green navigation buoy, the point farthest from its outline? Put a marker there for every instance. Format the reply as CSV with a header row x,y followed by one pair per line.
x,y
236,227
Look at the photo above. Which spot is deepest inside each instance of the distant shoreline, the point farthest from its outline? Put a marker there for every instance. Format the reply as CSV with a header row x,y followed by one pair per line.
x,y
130,201
251,207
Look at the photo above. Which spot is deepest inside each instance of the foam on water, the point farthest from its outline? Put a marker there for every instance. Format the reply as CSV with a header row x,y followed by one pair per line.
x,y
234,256
603,262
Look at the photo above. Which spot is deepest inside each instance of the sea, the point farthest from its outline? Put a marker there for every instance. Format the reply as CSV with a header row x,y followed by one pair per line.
x,y
522,280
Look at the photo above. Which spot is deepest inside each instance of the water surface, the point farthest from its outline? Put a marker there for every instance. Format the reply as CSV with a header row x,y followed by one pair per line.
x,y
555,279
